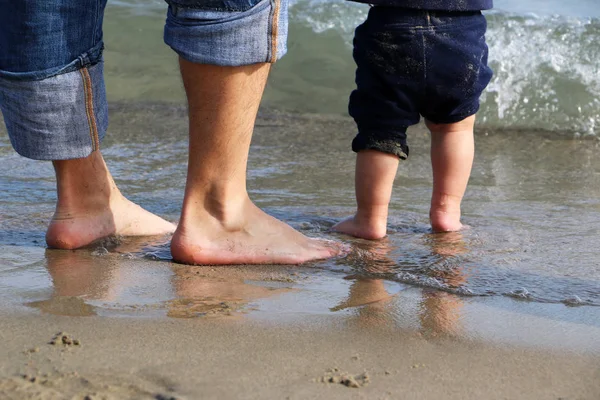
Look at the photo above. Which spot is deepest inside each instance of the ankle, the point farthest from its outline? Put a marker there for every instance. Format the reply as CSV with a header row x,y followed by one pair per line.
x,y
228,212
444,213
372,220
372,212
85,185
443,202
72,201
445,220
442,224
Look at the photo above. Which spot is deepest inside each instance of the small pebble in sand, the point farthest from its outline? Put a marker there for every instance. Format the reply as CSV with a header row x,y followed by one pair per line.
x,y
346,379
35,379
63,338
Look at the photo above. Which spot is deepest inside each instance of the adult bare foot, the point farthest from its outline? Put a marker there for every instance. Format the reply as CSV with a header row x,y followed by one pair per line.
x,y
72,230
246,235
219,223
363,227
90,207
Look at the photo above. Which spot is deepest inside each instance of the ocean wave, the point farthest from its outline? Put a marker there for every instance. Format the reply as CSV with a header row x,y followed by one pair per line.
x,y
546,68
546,73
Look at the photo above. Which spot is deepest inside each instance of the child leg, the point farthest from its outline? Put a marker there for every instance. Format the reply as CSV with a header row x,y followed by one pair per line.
x,y
452,152
374,178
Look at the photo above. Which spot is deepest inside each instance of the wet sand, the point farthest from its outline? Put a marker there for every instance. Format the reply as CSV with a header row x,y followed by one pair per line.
x,y
113,325
122,358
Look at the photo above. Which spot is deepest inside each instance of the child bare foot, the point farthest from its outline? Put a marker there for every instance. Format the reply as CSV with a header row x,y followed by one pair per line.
x,y
445,222
374,178
363,227
445,213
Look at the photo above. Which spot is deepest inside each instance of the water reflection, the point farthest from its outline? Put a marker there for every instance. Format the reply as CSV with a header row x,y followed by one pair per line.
x,y
136,279
77,277
87,282
439,313
135,276
215,291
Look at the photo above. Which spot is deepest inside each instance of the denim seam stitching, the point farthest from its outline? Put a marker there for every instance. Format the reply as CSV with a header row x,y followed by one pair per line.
x,y
275,4
89,108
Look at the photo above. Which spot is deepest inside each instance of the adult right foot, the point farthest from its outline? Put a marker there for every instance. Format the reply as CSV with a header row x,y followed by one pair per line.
x,y
219,224
244,236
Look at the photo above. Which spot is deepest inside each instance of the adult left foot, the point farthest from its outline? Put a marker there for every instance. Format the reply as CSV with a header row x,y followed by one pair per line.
x,y
91,207
72,229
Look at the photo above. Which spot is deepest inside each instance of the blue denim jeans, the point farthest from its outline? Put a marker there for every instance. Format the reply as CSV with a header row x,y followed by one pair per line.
x,y
52,93
413,63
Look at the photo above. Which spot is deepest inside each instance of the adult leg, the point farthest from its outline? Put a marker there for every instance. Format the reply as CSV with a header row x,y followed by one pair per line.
x,y
219,223
452,152
224,77
53,100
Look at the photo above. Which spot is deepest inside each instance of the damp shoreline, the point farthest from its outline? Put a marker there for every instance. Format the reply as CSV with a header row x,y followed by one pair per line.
x,y
490,301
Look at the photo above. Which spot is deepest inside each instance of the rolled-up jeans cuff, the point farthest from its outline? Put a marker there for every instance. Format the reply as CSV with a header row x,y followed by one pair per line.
x,y
224,37
61,117
392,143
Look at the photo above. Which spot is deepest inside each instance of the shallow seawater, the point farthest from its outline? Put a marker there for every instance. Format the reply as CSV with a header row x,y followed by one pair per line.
x,y
527,271
533,207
